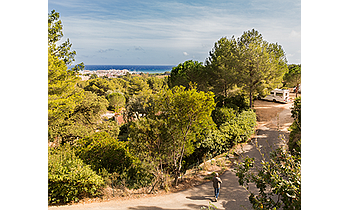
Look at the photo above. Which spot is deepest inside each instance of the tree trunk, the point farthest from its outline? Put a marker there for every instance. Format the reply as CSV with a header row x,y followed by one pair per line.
x,y
250,100
176,178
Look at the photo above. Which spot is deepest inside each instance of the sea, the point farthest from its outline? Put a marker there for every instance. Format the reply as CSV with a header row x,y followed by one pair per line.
x,y
132,68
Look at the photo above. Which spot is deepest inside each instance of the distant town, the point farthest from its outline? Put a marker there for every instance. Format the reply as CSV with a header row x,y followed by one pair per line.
x,y
112,73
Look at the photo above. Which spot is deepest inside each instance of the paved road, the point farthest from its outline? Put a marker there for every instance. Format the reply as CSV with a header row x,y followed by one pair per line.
x,y
232,196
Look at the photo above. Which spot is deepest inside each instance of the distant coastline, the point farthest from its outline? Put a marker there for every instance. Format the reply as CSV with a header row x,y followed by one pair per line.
x,y
132,68
113,71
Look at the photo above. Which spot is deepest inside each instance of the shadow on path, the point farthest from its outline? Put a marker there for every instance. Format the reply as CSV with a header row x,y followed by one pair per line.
x,y
206,197
188,206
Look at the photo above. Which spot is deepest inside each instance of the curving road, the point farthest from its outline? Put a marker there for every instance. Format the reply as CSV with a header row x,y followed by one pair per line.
x,y
274,119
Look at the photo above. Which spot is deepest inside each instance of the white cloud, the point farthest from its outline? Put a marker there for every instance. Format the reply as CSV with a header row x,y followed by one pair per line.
x,y
295,34
107,50
168,28
138,48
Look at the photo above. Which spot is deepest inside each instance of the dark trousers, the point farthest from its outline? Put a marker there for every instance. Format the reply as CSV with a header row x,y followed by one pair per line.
x,y
216,192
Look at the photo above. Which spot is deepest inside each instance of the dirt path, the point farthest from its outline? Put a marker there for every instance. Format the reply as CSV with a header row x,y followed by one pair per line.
x,y
273,121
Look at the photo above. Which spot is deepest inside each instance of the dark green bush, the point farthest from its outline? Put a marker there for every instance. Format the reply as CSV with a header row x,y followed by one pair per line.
x,y
238,102
223,114
102,151
238,129
111,157
294,142
69,179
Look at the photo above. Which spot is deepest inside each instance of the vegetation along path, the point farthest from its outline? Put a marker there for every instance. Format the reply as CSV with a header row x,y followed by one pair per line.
x,y
273,122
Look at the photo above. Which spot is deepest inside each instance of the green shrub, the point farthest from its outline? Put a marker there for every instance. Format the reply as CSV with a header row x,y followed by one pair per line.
x,y
240,128
278,180
69,179
215,143
237,102
223,114
294,143
102,151
111,157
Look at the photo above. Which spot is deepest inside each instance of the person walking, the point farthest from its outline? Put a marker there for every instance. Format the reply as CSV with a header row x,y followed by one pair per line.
x,y
216,184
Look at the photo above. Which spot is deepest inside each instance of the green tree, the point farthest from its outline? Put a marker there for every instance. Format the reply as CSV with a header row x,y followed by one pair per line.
x,y
93,76
260,65
138,85
139,99
100,86
293,76
278,180
120,84
62,51
248,62
116,100
69,178
185,113
139,106
147,144
90,109
63,95
84,120
187,72
178,116
219,67
223,114
157,84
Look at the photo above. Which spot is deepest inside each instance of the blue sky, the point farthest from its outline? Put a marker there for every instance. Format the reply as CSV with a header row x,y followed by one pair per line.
x,y
171,32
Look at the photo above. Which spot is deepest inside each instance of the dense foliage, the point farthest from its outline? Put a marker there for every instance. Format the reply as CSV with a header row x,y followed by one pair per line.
x,y
167,134
102,151
111,158
278,181
294,142
293,77
236,129
187,72
69,178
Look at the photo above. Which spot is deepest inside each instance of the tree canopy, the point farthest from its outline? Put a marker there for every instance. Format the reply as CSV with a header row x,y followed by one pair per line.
x,y
293,77
169,133
249,62
220,67
187,72
62,51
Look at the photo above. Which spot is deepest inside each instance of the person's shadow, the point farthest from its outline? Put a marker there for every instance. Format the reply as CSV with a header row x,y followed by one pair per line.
x,y
206,197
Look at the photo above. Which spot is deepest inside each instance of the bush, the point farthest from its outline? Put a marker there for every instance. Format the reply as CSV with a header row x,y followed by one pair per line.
x,y
215,143
102,151
237,102
223,114
294,143
69,179
278,180
240,128
111,158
